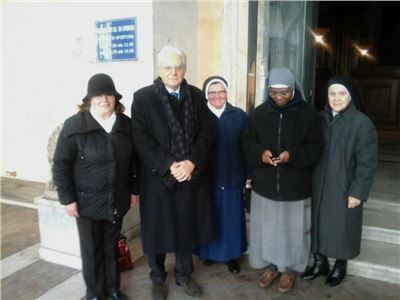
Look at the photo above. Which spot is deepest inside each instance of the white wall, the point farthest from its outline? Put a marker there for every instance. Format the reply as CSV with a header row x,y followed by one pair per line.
x,y
176,24
48,55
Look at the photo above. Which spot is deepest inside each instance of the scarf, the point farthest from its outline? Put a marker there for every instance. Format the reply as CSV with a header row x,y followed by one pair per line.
x,y
181,135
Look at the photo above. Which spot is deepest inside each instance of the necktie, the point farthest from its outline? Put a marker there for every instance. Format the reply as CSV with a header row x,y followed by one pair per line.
x,y
175,94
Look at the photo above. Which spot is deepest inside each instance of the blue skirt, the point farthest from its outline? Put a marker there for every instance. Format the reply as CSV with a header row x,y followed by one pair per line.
x,y
231,239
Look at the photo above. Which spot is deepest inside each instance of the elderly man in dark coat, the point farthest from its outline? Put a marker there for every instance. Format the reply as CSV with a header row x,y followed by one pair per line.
x,y
170,123
341,181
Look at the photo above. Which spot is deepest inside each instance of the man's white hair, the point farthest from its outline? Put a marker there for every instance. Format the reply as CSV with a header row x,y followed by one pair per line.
x,y
167,50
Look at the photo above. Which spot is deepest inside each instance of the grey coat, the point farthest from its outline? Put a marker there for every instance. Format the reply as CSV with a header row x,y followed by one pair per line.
x,y
347,168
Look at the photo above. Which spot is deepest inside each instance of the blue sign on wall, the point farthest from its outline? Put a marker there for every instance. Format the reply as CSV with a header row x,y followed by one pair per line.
x,y
116,40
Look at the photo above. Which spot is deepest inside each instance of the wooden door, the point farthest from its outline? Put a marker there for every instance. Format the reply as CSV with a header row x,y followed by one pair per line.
x,y
380,89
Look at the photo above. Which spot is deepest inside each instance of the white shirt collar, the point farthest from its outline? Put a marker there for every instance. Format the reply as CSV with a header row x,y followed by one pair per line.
x,y
107,124
216,111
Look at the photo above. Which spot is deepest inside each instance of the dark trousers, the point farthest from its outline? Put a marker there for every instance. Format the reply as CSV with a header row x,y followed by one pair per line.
x,y
183,266
98,243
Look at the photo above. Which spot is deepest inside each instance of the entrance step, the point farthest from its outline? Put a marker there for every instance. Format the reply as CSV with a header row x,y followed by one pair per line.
x,y
382,223
378,260
380,234
380,244
384,201
389,153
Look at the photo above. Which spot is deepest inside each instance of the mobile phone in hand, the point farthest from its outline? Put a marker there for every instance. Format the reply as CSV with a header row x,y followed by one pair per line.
x,y
275,158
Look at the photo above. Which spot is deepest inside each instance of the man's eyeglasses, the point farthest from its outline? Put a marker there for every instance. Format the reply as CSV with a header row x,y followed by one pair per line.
x,y
275,94
219,93
172,68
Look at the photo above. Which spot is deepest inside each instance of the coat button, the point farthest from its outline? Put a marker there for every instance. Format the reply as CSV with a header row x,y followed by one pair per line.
x,y
222,188
82,157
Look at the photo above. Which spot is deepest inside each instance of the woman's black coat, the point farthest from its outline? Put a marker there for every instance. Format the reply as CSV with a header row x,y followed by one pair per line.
x,y
297,130
95,168
181,218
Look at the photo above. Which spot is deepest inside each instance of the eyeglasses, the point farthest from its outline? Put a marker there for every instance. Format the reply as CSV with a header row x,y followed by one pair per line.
x,y
172,68
215,93
275,94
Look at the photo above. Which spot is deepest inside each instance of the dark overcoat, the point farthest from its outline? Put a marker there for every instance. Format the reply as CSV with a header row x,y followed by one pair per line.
x,y
297,130
347,168
179,219
95,168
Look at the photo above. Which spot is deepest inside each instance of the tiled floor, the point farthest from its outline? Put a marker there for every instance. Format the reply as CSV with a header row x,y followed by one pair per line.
x,y
34,280
218,283
19,229
46,281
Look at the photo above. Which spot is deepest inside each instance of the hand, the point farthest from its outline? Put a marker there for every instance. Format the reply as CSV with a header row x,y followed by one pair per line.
x,y
266,158
283,158
72,209
174,166
134,200
183,170
353,202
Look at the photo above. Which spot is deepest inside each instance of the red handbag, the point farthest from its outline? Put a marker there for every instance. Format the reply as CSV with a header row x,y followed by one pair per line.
x,y
124,255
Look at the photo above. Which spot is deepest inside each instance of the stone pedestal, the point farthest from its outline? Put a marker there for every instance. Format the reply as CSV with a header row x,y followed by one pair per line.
x,y
59,241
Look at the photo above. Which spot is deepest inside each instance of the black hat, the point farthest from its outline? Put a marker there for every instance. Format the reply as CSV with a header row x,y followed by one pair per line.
x,y
100,84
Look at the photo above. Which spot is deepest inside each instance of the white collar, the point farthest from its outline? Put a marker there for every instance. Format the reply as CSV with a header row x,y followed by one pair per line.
x,y
108,123
216,111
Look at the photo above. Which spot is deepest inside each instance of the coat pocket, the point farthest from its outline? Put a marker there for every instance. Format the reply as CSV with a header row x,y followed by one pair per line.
x,y
97,206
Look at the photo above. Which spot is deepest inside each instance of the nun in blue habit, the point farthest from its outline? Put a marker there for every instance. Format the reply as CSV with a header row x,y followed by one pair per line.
x,y
228,177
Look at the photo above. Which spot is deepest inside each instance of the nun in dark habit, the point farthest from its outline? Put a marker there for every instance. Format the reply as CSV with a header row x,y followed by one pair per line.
x,y
341,181
282,141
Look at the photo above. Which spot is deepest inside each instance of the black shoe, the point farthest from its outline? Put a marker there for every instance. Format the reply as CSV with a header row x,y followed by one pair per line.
x,y
208,262
233,266
159,291
320,267
118,296
191,288
337,274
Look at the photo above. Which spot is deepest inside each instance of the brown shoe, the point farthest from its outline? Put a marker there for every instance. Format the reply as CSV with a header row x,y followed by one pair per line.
x,y
286,282
267,278
191,288
159,291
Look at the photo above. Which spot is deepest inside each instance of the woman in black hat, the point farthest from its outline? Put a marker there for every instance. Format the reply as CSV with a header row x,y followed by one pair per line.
x,y
341,181
94,172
